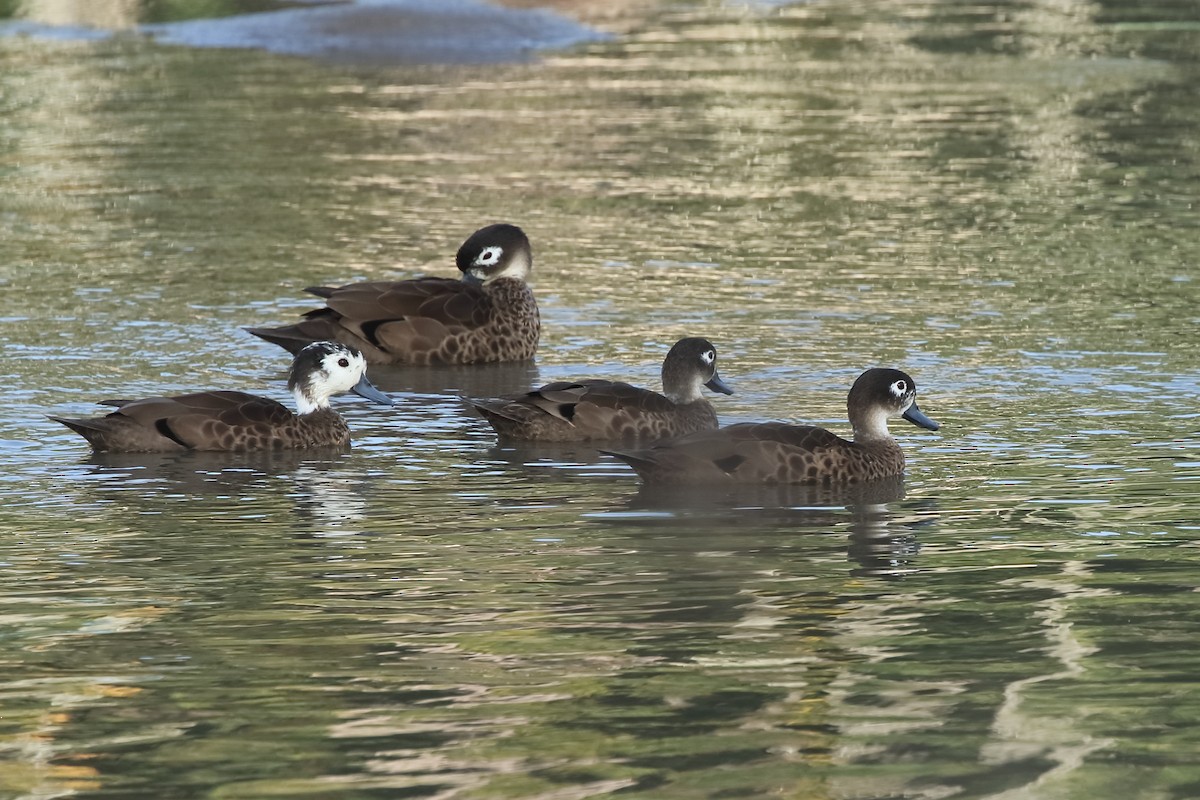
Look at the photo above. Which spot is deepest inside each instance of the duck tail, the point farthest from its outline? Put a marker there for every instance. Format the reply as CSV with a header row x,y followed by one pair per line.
x,y
94,430
495,410
638,459
290,337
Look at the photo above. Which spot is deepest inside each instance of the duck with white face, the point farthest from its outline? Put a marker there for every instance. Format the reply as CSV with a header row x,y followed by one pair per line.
x,y
489,315
775,452
234,421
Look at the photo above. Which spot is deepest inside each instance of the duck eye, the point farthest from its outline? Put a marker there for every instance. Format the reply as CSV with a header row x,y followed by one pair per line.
x,y
708,356
343,362
899,388
490,255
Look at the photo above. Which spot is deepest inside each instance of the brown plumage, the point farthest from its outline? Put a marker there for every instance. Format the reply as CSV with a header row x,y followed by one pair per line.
x,y
775,452
224,420
489,315
592,410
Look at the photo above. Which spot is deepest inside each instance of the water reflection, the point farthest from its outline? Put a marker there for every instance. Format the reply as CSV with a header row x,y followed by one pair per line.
x,y
702,500
475,380
377,33
325,497
107,14
1023,735
120,15
884,542
1000,197
200,473
882,533
544,460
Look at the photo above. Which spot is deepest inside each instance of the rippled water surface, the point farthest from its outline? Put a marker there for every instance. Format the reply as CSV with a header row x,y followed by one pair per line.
x,y
998,198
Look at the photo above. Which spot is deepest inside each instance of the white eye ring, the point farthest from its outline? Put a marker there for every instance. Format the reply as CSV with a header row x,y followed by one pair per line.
x,y
899,388
489,256
708,356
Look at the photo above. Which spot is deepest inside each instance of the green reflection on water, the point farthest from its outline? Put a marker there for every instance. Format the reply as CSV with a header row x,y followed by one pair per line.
x,y
999,199
119,14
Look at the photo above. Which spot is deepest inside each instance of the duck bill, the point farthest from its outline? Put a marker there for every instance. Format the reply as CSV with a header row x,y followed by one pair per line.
x,y
718,385
364,388
471,277
914,415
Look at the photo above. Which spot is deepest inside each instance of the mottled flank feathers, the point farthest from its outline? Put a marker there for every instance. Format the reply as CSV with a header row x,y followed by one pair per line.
x,y
775,452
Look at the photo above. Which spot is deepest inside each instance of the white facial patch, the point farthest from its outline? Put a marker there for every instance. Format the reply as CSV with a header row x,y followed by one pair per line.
x,y
899,389
344,369
489,256
517,267
708,356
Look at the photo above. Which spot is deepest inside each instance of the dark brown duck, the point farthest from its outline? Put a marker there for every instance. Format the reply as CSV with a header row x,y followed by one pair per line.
x,y
489,315
774,452
601,410
224,420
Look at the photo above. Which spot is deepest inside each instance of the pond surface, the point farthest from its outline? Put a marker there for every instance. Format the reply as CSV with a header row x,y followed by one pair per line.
x,y
998,198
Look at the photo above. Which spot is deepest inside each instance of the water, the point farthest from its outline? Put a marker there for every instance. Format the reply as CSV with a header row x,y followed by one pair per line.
x,y
999,199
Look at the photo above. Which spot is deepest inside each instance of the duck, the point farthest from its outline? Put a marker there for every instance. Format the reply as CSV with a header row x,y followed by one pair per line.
x,y
780,453
237,421
595,409
489,315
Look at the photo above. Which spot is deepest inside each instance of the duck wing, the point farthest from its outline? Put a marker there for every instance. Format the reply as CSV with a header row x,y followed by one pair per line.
x,y
453,303
218,420
802,437
405,316
581,411
568,400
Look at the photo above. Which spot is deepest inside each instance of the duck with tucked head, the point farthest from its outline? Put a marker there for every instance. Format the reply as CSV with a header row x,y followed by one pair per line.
x,y
591,410
489,315
775,452
225,420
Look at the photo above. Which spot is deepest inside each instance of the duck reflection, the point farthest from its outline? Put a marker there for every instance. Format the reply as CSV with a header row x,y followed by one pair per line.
x,y
530,456
882,534
472,380
881,549
770,498
187,483
197,472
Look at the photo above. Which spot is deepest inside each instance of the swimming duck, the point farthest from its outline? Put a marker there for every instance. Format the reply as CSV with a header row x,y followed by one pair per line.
x,y
608,410
223,420
489,315
775,452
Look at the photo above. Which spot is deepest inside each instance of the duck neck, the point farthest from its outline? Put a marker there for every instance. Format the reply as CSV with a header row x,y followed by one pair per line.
x,y
680,388
872,428
682,395
517,267
308,405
